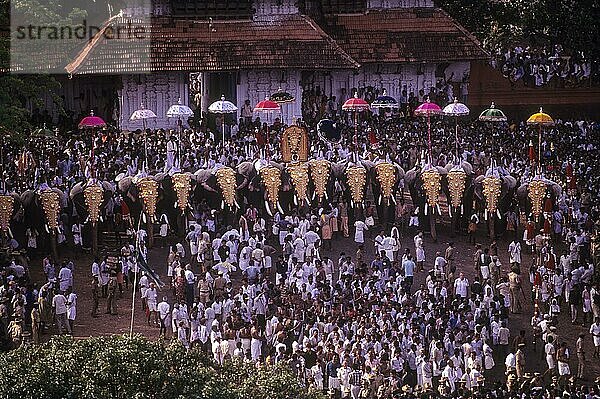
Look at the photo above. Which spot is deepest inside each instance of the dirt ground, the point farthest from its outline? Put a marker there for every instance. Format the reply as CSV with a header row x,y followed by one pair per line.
x,y
106,324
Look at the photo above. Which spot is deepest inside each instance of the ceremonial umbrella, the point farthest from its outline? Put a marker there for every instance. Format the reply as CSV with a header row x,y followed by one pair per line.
x,y
456,109
143,114
427,109
178,111
222,107
282,97
540,119
267,106
494,115
355,105
91,122
384,101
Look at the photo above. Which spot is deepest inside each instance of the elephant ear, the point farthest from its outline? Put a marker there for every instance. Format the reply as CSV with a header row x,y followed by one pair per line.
x,y
124,184
277,165
160,176
245,168
76,190
338,168
557,189
401,172
450,165
202,175
467,167
442,170
509,181
107,186
522,190
27,196
369,165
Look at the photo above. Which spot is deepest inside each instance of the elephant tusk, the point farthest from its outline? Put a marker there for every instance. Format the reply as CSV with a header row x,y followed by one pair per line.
x,y
222,204
485,215
313,196
10,234
144,218
426,206
280,208
46,228
307,200
268,208
450,210
498,213
379,200
295,200
236,204
462,209
438,209
326,196
394,200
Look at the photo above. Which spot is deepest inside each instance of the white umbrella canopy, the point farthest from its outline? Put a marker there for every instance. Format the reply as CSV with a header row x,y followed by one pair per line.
x,y
142,114
179,110
222,107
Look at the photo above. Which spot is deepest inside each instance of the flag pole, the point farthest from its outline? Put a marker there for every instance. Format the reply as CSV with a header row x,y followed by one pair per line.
x,y
135,278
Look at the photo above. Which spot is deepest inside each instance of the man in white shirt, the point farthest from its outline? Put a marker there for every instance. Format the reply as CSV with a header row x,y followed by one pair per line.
x,y
151,299
595,332
164,314
461,286
59,304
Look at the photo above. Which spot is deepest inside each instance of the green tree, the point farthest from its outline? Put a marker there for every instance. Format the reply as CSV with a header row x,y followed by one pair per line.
x,y
119,367
19,93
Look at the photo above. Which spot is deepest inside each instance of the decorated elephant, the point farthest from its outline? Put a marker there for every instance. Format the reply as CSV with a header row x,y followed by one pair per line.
x,y
40,211
89,200
386,179
458,187
494,194
425,186
537,199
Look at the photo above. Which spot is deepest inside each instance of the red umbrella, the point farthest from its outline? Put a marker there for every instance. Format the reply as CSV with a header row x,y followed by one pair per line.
x,y
267,106
427,109
356,105
91,121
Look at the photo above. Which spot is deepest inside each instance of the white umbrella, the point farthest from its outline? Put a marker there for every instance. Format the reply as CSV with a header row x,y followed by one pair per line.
x,y
143,114
178,111
222,107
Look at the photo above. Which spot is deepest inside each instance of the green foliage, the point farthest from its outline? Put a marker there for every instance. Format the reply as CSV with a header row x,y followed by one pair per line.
x,y
19,93
120,367
501,23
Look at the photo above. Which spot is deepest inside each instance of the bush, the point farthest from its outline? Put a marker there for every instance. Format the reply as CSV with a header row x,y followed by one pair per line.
x,y
122,367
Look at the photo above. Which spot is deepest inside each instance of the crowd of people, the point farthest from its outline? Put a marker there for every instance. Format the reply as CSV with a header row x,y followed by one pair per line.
x,y
541,66
380,319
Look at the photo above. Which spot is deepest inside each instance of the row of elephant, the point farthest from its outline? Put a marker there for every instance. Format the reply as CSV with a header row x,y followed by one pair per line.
x,y
272,186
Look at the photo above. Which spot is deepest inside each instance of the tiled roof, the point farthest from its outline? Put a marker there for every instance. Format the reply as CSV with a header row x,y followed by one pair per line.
x,y
403,35
179,44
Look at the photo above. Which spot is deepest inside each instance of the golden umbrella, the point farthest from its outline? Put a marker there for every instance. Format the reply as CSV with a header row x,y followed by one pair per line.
x,y
540,119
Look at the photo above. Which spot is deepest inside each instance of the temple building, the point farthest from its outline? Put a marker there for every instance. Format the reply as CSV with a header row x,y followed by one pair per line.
x,y
248,49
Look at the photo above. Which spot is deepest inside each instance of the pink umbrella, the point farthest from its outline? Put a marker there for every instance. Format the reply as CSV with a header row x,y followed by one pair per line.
x,y
267,106
91,121
355,105
427,109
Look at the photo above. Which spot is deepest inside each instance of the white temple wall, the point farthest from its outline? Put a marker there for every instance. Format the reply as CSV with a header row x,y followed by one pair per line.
x,y
156,92
256,85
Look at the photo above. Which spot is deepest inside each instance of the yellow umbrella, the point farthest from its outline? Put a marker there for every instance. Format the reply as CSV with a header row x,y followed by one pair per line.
x,y
540,119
